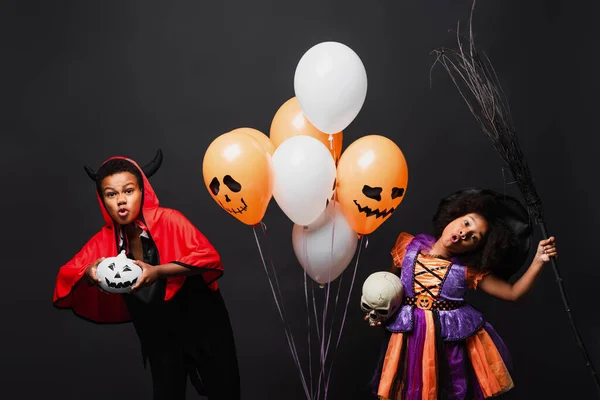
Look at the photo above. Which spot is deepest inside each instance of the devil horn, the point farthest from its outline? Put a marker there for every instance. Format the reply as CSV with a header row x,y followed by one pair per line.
x,y
153,166
91,173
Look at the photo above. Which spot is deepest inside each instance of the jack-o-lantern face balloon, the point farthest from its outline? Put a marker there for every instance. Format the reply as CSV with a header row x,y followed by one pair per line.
x,y
372,177
238,175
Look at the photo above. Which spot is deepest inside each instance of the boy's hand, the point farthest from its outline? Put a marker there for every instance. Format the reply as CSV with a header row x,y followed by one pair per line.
x,y
150,273
90,274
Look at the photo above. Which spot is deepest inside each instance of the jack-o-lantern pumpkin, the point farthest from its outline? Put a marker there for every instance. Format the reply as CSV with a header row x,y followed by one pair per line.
x,y
372,177
424,302
118,274
238,175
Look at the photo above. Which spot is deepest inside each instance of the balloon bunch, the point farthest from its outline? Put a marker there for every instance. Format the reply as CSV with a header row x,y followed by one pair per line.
x,y
301,163
332,197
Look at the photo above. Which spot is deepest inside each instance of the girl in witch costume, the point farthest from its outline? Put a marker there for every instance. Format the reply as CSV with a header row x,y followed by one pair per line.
x,y
175,306
438,346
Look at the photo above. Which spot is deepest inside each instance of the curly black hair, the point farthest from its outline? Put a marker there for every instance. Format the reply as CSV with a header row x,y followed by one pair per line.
x,y
115,166
499,239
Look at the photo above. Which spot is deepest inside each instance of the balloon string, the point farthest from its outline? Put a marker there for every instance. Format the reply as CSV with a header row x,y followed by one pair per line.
x,y
317,328
312,392
312,287
264,231
337,296
323,373
308,266
323,352
288,334
333,147
344,318
274,272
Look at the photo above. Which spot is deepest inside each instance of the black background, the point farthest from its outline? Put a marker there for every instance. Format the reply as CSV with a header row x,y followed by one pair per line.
x,y
86,80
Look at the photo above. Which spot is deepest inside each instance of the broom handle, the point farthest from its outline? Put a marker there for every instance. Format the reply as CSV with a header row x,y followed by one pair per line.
x,y
563,294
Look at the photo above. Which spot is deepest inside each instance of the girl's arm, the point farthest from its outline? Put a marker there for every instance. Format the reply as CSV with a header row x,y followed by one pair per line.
x,y
513,292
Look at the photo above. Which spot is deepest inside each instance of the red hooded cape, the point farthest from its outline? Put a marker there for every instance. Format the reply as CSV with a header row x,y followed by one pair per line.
x,y
176,239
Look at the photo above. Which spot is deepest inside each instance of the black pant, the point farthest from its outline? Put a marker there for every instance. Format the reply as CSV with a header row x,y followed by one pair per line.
x,y
211,378
188,336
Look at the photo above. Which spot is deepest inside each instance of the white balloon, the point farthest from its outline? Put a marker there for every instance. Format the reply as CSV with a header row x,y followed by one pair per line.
x,y
304,173
330,83
118,274
313,247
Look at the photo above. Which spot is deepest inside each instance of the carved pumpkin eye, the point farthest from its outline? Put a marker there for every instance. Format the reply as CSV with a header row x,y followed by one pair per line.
x,y
126,268
232,184
214,186
372,193
397,192
112,267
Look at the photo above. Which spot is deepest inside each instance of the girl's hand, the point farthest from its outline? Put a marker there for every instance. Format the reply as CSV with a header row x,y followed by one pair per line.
x,y
150,273
371,323
546,249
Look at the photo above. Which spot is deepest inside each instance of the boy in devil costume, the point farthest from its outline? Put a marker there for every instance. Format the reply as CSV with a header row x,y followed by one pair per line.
x,y
175,306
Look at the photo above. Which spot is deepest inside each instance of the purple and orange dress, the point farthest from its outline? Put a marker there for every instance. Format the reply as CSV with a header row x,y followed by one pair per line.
x,y
439,346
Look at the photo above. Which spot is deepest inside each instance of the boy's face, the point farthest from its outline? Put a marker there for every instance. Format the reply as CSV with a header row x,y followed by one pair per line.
x,y
122,197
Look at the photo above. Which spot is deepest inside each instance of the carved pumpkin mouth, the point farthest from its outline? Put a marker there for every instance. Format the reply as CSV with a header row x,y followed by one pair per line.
x,y
120,285
237,210
367,210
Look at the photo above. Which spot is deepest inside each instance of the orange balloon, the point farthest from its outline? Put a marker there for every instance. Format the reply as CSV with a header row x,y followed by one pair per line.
x,y
238,175
290,121
372,177
263,139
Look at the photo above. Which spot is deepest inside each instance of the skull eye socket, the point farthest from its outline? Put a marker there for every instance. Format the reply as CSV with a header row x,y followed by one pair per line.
x,y
214,186
372,193
126,268
397,192
112,267
232,184
382,312
366,306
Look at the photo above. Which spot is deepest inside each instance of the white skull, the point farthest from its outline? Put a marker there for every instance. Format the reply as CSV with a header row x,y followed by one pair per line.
x,y
382,294
118,274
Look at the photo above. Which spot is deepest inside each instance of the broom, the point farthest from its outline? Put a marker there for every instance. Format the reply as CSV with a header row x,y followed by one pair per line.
x,y
479,86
